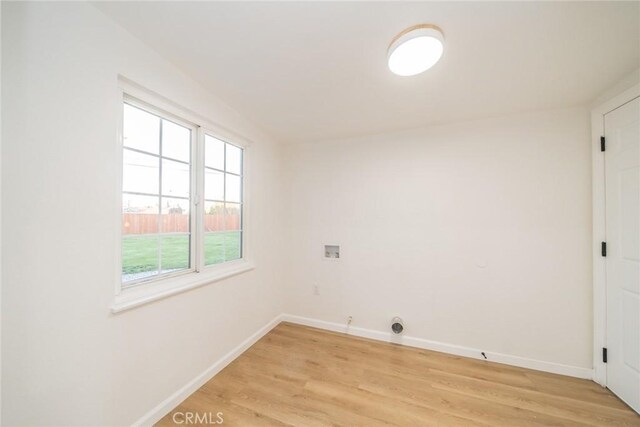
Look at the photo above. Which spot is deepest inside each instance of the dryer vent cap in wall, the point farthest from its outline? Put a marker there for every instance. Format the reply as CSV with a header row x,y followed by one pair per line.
x,y
397,326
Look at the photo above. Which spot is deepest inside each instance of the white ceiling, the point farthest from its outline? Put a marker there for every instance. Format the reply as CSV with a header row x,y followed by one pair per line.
x,y
312,71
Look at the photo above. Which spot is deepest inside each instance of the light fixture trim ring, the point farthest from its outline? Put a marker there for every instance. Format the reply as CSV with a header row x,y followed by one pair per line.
x,y
428,30
414,32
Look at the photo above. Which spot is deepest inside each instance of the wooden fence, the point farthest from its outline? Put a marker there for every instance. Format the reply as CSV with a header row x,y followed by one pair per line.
x,y
134,223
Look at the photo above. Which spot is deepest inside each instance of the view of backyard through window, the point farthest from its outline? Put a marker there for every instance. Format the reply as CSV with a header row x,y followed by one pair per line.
x,y
223,201
158,225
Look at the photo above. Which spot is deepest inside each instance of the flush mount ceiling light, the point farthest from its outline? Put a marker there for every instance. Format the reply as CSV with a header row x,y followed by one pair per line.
x,y
415,50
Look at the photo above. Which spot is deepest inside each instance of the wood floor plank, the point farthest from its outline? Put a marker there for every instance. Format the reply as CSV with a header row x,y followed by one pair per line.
x,y
301,376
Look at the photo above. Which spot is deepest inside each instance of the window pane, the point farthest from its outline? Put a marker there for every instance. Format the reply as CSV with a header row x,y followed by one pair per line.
x,y
140,172
176,141
232,219
232,188
156,185
213,248
175,253
213,152
213,216
213,185
234,159
232,245
140,214
139,257
175,215
140,130
175,178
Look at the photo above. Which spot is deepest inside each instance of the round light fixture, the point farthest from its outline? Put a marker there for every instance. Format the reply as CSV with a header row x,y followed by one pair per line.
x,y
415,50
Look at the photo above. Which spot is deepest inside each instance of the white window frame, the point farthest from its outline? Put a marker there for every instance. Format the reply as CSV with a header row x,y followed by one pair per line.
x,y
143,291
203,132
193,222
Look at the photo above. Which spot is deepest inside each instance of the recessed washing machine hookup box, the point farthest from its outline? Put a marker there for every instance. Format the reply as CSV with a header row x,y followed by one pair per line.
x,y
332,251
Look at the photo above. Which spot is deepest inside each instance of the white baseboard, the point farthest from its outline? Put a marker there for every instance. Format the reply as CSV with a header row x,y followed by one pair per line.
x,y
522,362
176,398
166,406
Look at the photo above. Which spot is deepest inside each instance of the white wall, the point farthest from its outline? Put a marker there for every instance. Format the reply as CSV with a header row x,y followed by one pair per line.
x,y
627,82
0,214
66,358
476,234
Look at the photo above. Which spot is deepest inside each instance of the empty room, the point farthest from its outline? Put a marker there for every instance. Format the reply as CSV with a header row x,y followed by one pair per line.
x,y
320,213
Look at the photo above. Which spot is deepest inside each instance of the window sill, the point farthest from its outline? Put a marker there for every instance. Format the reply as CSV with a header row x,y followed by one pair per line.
x,y
144,294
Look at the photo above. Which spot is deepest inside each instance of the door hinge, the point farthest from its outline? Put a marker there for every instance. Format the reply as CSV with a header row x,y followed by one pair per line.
x,y
602,143
604,355
604,249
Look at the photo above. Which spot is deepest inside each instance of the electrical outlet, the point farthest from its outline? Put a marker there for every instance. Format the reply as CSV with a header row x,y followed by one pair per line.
x,y
349,320
316,289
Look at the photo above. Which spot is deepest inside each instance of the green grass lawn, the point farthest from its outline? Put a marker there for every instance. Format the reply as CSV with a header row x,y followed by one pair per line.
x,y
140,253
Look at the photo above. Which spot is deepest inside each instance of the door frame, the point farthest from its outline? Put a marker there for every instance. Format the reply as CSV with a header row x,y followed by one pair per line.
x,y
599,229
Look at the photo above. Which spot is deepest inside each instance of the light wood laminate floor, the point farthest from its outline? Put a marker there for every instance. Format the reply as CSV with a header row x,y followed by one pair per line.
x,y
301,376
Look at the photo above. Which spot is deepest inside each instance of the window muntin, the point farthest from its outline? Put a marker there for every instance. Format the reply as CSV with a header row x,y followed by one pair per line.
x,y
223,201
157,196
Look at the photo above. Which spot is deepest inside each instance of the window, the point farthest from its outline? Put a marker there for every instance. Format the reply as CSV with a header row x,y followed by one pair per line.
x,y
156,195
222,201
182,198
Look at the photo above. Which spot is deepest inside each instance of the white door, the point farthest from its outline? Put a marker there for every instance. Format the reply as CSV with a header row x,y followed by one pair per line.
x,y
622,175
